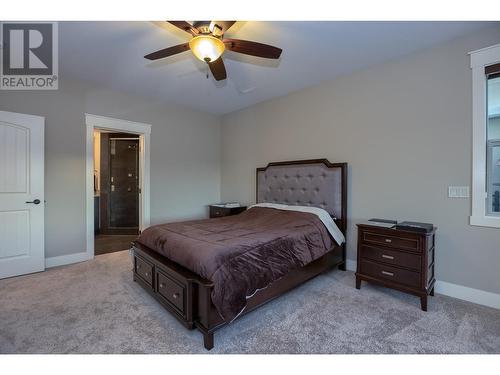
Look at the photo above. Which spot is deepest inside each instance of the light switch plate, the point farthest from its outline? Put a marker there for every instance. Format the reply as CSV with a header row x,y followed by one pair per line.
x,y
458,192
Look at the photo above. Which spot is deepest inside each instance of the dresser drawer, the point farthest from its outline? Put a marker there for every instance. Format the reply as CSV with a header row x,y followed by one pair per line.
x,y
143,269
218,211
391,241
393,257
397,275
172,290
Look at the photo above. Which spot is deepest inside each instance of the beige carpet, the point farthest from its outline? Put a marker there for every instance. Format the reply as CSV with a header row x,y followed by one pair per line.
x,y
95,307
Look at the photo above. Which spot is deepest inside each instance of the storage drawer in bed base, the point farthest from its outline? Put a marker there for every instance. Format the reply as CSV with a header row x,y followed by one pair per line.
x,y
193,306
173,289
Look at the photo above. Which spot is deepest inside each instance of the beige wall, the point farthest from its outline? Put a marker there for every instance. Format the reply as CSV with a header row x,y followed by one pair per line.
x,y
404,127
185,156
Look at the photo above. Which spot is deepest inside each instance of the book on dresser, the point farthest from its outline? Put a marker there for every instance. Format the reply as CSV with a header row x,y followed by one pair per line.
x,y
401,259
417,227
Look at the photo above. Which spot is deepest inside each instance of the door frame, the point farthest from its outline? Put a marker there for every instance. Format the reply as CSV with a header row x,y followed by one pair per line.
x,y
144,131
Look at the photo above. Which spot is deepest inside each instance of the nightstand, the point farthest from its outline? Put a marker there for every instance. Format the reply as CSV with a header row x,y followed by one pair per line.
x,y
221,211
398,259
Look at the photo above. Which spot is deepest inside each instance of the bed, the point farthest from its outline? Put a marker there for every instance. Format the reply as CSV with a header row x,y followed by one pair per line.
x,y
209,272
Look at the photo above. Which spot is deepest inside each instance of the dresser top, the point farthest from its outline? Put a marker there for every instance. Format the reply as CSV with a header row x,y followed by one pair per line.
x,y
366,225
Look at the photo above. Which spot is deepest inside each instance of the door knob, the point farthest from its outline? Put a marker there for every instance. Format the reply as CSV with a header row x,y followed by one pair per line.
x,y
36,201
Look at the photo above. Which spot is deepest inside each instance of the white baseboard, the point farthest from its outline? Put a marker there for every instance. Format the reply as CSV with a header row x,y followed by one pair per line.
x,y
66,259
351,265
478,296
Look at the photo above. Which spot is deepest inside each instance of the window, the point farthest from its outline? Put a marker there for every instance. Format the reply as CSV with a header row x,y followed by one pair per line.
x,y
485,66
493,145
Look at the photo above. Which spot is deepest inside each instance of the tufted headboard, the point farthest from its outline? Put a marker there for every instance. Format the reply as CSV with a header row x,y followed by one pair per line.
x,y
317,183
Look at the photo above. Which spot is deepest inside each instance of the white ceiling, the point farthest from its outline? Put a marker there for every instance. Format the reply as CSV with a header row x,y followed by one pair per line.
x,y
111,54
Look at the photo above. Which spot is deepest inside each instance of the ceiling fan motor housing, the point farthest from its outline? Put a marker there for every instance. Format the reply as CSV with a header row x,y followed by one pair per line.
x,y
206,27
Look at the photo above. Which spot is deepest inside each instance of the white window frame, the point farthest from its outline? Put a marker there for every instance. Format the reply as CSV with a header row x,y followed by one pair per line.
x,y
478,61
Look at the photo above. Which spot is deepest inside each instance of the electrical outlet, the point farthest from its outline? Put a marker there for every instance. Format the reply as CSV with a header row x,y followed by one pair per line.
x,y
458,192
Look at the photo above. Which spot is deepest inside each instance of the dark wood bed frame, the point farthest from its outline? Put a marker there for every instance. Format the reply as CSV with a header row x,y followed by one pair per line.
x,y
188,296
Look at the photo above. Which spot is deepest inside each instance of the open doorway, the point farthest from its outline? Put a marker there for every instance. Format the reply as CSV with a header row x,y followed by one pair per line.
x,y
116,190
117,183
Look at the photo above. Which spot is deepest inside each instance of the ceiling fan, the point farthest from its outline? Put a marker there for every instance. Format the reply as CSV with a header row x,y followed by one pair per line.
x,y
208,45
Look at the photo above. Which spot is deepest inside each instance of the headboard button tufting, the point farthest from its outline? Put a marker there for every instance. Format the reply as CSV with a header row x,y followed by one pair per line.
x,y
314,183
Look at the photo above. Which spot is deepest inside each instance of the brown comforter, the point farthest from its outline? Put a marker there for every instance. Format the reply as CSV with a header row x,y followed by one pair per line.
x,y
243,253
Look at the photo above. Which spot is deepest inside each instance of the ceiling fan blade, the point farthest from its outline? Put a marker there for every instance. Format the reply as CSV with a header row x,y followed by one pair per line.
x,y
168,51
253,48
218,69
185,26
222,26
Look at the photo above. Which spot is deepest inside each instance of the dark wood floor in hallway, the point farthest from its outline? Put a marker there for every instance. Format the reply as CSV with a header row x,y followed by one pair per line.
x,y
105,244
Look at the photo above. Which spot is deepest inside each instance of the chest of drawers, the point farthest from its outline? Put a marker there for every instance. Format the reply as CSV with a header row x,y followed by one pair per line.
x,y
398,259
218,211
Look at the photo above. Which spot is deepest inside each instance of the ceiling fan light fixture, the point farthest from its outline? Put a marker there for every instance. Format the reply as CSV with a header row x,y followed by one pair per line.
x,y
206,47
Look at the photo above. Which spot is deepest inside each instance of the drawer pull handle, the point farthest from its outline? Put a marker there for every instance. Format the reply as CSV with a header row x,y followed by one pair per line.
x,y
175,295
146,274
387,256
162,285
388,240
138,266
387,273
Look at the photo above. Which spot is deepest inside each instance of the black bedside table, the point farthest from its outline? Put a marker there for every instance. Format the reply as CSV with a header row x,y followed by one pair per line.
x,y
221,211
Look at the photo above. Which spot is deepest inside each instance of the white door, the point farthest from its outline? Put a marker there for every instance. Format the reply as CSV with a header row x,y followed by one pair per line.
x,y
21,194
